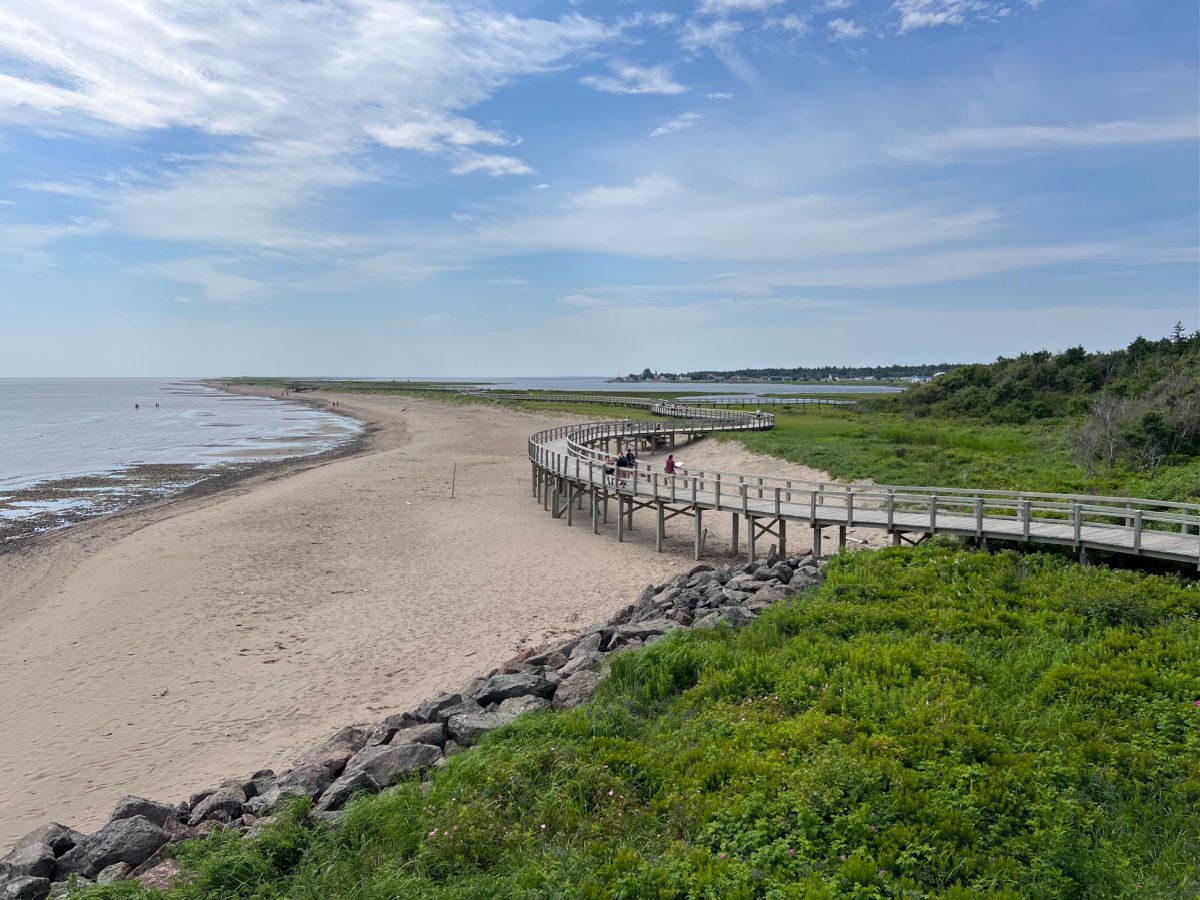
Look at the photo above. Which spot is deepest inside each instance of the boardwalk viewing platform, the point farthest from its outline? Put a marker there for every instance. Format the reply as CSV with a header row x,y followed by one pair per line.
x,y
568,477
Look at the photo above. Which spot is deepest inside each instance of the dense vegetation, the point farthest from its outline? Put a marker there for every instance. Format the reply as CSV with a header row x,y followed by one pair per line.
x,y
926,723
805,373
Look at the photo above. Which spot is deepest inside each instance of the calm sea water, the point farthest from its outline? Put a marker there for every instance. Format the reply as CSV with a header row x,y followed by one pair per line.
x,y
58,428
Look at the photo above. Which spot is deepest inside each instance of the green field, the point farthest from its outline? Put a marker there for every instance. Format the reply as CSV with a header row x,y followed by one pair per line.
x,y
927,723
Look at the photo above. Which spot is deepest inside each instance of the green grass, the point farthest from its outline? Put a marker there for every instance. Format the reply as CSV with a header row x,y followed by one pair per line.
x,y
928,723
874,442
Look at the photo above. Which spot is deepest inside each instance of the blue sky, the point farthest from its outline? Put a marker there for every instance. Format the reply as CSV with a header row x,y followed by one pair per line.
x,y
390,187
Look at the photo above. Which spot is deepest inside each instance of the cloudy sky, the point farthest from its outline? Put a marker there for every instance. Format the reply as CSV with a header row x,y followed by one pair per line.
x,y
391,187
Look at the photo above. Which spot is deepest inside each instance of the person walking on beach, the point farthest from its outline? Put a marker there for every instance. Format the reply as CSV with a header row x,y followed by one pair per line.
x,y
669,468
609,471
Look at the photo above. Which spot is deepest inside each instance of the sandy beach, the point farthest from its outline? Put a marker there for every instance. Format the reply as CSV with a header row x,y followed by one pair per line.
x,y
160,650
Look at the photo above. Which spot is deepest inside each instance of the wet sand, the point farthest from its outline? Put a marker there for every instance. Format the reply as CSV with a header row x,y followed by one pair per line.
x,y
162,649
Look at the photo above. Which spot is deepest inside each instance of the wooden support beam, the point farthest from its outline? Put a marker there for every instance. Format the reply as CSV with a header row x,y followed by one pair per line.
x,y
595,514
895,539
570,504
736,542
749,538
841,537
816,542
660,528
699,514
620,518
782,537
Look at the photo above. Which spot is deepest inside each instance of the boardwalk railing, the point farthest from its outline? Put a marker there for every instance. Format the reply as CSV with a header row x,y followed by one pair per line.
x,y
569,461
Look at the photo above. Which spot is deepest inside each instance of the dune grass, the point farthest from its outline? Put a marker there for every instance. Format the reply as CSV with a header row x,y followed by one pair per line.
x,y
928,723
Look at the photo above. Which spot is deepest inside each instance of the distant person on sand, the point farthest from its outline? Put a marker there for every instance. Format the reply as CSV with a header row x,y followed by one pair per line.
x,y
135,406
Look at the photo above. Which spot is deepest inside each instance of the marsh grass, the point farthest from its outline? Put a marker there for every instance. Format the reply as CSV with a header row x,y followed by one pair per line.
x,y
926,723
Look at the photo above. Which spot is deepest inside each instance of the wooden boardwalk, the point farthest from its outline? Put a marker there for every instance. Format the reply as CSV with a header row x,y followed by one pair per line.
x,y
567,466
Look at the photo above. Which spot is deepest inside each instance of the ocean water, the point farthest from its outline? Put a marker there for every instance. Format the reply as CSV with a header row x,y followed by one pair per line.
x,y
58,428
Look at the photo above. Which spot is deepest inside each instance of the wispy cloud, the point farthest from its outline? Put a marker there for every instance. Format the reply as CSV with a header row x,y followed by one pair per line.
x,y
643,192
679,123
844,30
627,78
720,95
915,14
491,164
964,143
727,7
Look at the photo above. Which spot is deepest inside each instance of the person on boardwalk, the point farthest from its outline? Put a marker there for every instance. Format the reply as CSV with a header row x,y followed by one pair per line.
x,y
609,471
669,468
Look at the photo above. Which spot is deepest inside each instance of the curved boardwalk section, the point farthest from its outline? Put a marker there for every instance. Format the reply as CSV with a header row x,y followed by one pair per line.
x,y
569,478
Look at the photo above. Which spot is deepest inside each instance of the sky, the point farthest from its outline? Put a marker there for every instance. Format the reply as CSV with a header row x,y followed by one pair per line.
x,y
400,187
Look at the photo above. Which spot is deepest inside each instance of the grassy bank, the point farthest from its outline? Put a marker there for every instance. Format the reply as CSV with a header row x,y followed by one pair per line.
x,y
926,723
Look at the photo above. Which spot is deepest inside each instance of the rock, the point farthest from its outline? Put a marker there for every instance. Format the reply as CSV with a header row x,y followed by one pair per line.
x,y
643,630
622,616
161,876
467,728
25,887
385,764
60,889
28,860
230,800
517,705
328,819
452,749
735,616
548,661
433,733
709,620
338,793
643,607
697,569
313,774
590,660
467,707
728,595
783,572
59,838
577,689
428,711
380,734
472,687
683,617
156,812
502,687
352,736
771,595
589,643
118,871
130,841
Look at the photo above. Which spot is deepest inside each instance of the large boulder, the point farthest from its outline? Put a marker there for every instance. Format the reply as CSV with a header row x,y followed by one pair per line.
x,y
591,660
312,775
161,876
467,728
30,860
130,841
375,768
25,887
502,687
231,801
428,711
58,838
158,813
433,733
577,689
517,705
589,643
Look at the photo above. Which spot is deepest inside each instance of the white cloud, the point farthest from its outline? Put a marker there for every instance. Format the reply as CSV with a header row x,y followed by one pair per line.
x,y
434,133
717,35
541,187
643,192
582,301
916,14
679,123
726,7
967,142
720,95
492,165
835,5
792,22
628,78
844,30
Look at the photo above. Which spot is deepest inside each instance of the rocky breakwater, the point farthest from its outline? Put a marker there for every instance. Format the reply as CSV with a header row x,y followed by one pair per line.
x,y
136,841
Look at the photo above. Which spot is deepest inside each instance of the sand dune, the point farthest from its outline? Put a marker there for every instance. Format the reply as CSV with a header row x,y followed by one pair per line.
x,y
161,650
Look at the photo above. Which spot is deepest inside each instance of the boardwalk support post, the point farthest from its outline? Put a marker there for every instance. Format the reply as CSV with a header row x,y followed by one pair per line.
x,y
816,542
734,518
697,513
660,527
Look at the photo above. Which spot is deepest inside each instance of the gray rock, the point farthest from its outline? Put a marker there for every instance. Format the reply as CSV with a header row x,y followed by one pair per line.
x,y
621,617
352,736
28,860
472,687
118,871
783,572
590,660
467,707
385,764
161,876
502,687
60,889
467,728
517,705
697,569
428,711
229,800
709,620
643,630
156,812
550,661
59,838
589,643
771,595
729,595
433,733
577,689
313,774
129,841
735,616
338,793
683,617
452,749
24,887
380,734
